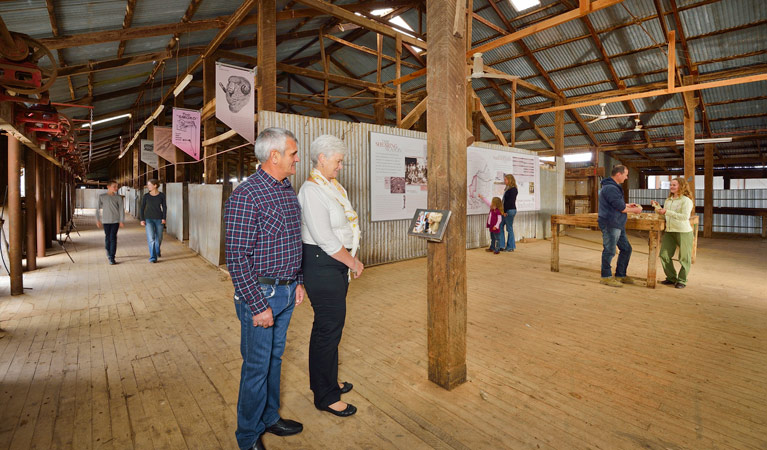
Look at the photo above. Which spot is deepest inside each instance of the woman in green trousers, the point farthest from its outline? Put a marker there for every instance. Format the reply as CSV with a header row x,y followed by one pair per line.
x,y
677,209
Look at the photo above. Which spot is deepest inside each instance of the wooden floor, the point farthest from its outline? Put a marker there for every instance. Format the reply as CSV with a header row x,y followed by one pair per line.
x,y
147,356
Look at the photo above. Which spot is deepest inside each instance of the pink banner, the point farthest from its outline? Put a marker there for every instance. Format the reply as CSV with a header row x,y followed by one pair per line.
x,y
186,131
163,144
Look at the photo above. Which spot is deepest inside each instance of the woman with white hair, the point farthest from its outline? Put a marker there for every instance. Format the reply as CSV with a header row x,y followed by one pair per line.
x,y
330,232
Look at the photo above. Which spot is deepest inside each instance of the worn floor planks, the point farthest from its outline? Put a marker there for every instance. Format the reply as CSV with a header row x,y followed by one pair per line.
x,y
147,356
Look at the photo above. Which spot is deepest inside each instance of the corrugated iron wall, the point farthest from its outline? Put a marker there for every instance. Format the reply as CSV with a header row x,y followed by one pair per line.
x,y
728,198
383,242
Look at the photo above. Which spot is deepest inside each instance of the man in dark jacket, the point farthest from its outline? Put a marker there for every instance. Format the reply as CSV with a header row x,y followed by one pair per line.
x,y
612,222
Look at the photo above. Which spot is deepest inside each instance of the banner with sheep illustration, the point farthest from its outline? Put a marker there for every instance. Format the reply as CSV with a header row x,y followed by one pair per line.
x,y
235,105
186,131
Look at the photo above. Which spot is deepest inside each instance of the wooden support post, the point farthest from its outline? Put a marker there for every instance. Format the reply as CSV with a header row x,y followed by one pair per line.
x,y
209,125
559,132
513,113
239,164
708,193
380,110
136,166
652,258
57,172
398,50
671,60
689,141
51,197
15,219
326,71
554,246
40,197
225,170
30,170
446,149
179,170
266,57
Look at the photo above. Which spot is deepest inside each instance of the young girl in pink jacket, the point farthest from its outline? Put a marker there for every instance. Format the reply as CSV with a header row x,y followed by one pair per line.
x,y
494,220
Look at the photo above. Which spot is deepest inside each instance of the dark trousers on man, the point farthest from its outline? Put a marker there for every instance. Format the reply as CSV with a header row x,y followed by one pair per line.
x,y
326,282
110,239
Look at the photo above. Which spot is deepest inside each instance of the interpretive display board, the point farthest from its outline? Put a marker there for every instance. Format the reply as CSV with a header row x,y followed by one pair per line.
x,y
397,176
485,170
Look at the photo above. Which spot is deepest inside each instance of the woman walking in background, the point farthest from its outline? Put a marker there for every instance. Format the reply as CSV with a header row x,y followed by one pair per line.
x,y
510,210
678,234
152,216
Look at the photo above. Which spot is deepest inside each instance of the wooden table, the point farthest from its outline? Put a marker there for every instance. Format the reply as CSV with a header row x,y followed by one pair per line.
x,y
650,222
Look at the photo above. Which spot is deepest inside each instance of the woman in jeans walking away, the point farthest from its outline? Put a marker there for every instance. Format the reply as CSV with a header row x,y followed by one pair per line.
x,y
152,215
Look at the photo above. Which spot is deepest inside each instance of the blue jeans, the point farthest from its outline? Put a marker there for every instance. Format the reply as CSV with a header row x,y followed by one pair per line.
x,y
610,238
508,222
495,241
261,349
154,228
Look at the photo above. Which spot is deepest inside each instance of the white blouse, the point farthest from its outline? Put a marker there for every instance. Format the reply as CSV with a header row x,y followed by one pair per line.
x,y
323,221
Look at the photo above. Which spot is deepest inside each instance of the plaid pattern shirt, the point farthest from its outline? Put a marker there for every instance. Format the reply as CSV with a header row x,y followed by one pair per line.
x,y
263,236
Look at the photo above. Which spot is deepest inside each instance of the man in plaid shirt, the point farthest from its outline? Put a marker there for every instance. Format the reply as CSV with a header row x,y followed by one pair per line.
x,y
263,255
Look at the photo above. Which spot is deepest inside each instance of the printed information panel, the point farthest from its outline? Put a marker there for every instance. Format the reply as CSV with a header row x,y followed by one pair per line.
x,y
398,176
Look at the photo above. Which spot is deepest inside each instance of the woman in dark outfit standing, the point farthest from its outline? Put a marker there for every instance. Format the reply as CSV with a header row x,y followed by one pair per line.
x,y
510,208
330,232
152,215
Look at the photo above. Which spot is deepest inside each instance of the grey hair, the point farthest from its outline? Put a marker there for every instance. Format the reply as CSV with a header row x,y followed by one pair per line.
x,y
272,139
327,145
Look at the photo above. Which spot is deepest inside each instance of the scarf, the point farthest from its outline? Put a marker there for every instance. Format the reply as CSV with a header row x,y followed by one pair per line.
x,y
334,189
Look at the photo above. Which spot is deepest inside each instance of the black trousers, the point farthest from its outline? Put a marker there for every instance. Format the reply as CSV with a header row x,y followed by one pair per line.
x,y
326,282
110,239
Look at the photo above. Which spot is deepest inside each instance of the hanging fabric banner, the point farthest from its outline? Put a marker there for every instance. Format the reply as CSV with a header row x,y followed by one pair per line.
x,y
186,131
148,155
163,144
235,105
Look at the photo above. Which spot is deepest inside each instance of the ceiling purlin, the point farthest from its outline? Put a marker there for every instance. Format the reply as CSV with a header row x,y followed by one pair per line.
x,y
130,8
191,10
59,53
526,50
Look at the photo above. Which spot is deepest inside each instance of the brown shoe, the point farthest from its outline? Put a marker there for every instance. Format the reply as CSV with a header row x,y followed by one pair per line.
x,y
610,281
625,280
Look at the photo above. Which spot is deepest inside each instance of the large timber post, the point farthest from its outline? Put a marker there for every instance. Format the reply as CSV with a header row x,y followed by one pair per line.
x,y
446,144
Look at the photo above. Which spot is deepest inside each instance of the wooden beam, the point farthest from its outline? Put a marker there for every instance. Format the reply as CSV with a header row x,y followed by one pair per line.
x,y
412,117
369,51
349,16
446,143
266,75
130,8
543,25
398,73
654,93
559,134
80,69
333,78
671,60
689,141
320,107
491,125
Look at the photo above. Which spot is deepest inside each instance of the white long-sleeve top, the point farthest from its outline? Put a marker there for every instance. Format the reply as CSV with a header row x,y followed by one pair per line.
x,y
678,214
323,221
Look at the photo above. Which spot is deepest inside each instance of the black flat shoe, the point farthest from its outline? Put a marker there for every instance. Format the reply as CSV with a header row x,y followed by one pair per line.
x,y
350,410
285,427
347,387
667,282
679,285
258,445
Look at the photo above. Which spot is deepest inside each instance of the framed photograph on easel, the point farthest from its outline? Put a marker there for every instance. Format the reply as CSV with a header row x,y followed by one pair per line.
x,y
429,224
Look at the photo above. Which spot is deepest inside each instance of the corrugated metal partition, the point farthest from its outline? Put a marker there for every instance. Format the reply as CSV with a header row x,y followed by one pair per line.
x,y
382,242
728,198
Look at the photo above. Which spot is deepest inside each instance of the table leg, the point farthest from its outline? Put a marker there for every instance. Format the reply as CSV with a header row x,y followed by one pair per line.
x,y
694,243
554,247
652,258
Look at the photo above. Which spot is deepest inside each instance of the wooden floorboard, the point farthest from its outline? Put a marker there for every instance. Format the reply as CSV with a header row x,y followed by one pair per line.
x,y
146,356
